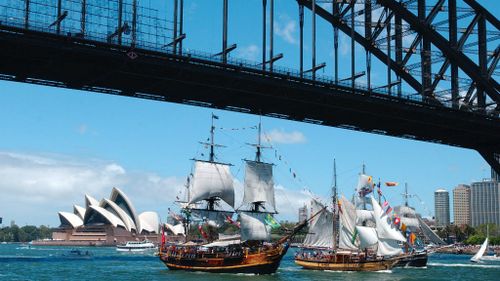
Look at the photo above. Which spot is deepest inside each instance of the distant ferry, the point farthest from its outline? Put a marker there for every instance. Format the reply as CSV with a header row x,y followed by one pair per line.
x,y
136,246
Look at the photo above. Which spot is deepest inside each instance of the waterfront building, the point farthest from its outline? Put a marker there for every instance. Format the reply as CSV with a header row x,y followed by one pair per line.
x,y
442,207
485,202
303,213
461,205
106,222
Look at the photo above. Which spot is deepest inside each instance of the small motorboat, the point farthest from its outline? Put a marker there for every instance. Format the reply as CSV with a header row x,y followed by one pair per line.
x,y
136,246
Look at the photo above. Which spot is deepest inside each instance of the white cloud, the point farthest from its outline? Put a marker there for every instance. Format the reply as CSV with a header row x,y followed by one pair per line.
x,y
285,28
280,136
35,187
250,52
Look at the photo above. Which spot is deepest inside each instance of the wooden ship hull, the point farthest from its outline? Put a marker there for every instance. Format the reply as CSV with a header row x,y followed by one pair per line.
x,y
262,261
345,263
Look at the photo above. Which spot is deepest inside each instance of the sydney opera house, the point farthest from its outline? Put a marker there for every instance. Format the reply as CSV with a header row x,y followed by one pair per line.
x,y
106,222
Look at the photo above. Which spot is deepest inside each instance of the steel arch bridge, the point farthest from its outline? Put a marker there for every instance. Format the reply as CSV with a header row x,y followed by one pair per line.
x,y
441,60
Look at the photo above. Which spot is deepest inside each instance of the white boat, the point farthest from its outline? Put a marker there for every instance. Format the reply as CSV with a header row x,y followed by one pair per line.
x,y
477,257
136,246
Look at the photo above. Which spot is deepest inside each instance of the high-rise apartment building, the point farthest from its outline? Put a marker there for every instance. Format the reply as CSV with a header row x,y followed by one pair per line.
x,y
485,202
461,205
442,207
303,213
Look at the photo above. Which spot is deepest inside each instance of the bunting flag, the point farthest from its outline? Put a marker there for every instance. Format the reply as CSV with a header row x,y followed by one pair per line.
x,y
354,235
389,210
391,183
215,116
385,204
269,220
396,221
203,233
403,227
412,238
231,221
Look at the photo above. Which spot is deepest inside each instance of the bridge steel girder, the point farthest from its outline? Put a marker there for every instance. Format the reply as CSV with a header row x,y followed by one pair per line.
x,y
75,63
490,86
366,43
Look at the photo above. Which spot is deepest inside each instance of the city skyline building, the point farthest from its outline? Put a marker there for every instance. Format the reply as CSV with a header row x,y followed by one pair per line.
x,y
485,202
461,205
442,207
303,213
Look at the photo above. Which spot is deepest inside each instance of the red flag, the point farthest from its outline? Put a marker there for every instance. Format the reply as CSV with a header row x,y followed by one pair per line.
x,y
163,239
389,209
203,233
391,183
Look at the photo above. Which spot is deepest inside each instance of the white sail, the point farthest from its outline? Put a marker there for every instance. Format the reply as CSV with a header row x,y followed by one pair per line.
x,y
411,222
211,180
321,228
347,214
388,248
385,229
367,236
214,218
259,184
253,227
364,216
364,183
481,251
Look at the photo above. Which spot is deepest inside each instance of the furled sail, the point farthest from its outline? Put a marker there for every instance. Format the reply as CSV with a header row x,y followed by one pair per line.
x,y
365,217
253,227
407,215
431,235
367,236
411,222
213,218
347,214
481,251
259,184
211,180
320,230
385,229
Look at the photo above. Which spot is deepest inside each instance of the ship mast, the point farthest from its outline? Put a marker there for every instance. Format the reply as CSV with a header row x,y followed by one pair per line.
x,y
334,201
211,158
258,158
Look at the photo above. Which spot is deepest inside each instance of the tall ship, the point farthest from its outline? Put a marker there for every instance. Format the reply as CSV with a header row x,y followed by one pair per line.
x,y
211,187
349,238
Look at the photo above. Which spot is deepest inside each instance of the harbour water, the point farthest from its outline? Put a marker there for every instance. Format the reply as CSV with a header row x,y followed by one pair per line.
x,y
20,262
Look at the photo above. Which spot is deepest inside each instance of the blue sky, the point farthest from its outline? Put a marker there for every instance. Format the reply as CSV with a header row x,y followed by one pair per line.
x,y
58,144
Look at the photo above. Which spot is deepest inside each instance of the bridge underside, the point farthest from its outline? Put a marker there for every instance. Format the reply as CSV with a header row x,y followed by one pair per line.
x,y
61,61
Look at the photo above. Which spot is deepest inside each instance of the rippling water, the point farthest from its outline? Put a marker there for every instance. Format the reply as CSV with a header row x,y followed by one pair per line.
x,y
52,263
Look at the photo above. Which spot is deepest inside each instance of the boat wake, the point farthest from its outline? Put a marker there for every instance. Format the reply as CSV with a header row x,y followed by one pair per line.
x,y
464,265
384,271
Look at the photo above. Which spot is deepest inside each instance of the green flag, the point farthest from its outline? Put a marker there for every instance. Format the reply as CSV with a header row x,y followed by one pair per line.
x,y
269,220
354,235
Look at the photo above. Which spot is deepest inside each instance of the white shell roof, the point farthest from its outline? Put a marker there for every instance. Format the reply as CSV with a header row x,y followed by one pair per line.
x,y
125,218
89,200
74,220
175,229
113,197
79,211
149,222
111,218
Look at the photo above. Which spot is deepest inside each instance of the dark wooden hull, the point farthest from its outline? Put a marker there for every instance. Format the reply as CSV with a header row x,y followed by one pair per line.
x,y
337,265
413,260
261,262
